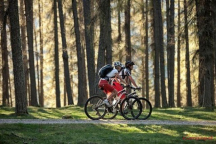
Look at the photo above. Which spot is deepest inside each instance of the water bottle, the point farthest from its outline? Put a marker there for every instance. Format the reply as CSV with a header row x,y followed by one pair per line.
x,y
114,102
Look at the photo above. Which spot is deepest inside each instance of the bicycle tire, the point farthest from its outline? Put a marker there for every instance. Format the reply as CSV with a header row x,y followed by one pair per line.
x,y
128,108
94,109
146,109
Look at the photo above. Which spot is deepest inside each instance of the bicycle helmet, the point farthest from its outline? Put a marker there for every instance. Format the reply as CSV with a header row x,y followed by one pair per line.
x,y
117,63
129,63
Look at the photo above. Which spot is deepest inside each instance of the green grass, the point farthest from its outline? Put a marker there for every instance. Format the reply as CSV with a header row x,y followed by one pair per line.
x,y
77,112
104,134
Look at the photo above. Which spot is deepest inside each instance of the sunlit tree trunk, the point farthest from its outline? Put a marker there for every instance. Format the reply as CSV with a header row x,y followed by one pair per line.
x,y
19,76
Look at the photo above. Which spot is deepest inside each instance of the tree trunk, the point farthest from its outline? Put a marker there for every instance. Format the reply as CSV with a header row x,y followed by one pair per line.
x,y
19,76
108,29
23,41
89,45
5,68
162,67
206,51
187,58
127,31
103,38
213,6
41,95
65,55
29,19
147,53
37,63
178,60
171,53
82,87
168,44
201,57
207,37
119,21
57,82
158,31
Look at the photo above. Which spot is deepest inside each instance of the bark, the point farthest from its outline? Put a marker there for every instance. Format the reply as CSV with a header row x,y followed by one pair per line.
x,y
201,57
82,87
41,95
213,7
57,82
19,76
103,38
65,55
206,52
162,67
147,52
90,52
5,68
127,30
187,58
178,60
23,38
29,19
157,44
171,54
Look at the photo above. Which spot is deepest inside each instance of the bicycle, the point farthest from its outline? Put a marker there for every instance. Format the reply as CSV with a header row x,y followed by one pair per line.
x,y
130,107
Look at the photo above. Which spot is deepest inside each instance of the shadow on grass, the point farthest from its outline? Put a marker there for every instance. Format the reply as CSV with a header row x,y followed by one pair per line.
x,y
106,133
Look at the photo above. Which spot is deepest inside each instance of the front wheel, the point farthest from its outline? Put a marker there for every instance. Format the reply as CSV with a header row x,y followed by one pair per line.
x,y
146,109
94,108
131,108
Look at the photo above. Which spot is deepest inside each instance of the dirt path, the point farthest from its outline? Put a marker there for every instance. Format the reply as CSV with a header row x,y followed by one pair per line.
x,y
70,121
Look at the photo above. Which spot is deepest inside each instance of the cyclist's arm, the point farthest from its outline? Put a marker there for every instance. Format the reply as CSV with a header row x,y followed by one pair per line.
x,y
132,81
119,77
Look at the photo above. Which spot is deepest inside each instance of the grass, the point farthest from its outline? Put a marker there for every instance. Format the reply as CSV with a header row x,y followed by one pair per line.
x,y
77,112
105,134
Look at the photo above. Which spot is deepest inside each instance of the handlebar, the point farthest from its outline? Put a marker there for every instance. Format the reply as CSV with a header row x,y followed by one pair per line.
x,y
131,87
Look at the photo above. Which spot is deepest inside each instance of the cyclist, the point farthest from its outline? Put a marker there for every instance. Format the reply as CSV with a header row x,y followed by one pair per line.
x,y
108,89
126,73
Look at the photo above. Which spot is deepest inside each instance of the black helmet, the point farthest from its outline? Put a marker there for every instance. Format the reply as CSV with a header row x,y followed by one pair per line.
x,y
129,63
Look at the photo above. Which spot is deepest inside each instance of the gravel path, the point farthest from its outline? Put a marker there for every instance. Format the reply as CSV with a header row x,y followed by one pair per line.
x,y
69,121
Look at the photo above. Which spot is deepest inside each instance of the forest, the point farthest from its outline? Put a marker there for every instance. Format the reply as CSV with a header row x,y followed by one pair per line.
x,y
51,50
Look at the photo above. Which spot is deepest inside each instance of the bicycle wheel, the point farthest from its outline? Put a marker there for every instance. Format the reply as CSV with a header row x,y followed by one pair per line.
x,y
146,109
110,113
94,108
131,108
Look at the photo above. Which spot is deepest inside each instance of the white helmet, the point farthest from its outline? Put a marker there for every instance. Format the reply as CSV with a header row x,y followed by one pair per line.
x,y
117,63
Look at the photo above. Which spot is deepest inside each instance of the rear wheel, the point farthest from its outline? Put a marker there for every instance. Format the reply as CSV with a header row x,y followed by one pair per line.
x,y
94,108
131,108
